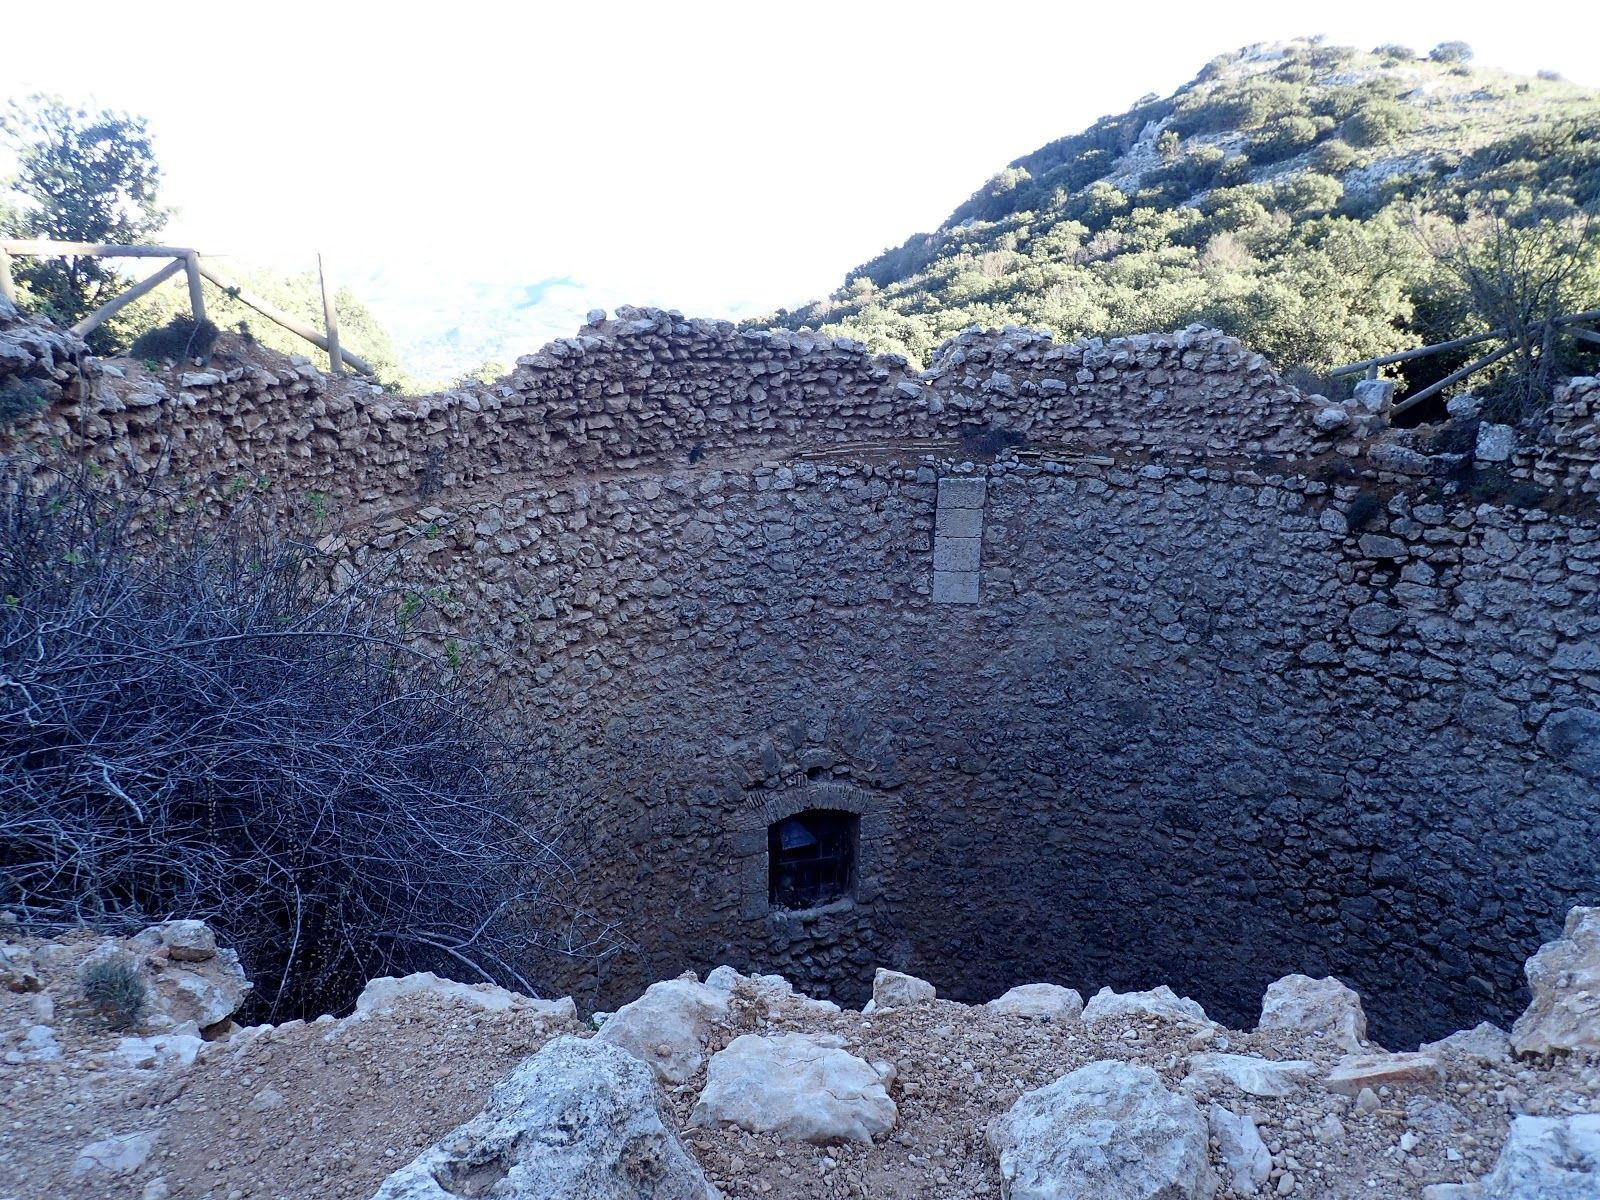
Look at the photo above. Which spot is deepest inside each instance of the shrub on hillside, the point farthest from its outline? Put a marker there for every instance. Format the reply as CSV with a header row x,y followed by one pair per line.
x,y
180,338
1451,52
114,992
205,730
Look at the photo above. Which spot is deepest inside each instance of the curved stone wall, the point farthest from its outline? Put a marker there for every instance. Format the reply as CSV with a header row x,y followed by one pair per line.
x,y
1183,723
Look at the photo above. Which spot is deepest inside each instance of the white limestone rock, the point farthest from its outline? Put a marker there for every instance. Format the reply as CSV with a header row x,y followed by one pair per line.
x,y
801,1087
388,992
1247,1073
1159,1003
895,989
1039,1002
1565,979
777,991
667,1027
580,1120
1315,1008
188,941
1246,1162
1109,1130
1496,443
119,1155
1544,1158
1356,1071
160,1051
1483,1043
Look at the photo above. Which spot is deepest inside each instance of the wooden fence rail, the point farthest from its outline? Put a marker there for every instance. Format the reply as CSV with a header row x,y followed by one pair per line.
x,y
191,262
1567,324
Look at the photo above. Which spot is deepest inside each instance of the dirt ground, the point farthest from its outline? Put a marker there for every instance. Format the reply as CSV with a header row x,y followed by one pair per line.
x,y
328,1109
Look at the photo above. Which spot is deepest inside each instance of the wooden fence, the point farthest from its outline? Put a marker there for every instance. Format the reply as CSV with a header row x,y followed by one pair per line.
x,y
1568,324
192,263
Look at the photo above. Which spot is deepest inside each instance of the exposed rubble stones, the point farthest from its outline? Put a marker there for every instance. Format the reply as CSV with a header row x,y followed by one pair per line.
x,y
580,1120
1315,1009
1158,1003
667,1027
961,1099
653,512
800,1087
1564,977
1107,1130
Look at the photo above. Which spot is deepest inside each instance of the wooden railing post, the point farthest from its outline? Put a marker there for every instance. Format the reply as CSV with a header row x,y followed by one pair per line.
x,y
330,319
197,300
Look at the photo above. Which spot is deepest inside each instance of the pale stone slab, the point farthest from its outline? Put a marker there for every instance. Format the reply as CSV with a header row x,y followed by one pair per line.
x,y
955,587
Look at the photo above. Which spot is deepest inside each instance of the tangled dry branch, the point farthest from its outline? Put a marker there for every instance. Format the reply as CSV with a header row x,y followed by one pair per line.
x,y
203,729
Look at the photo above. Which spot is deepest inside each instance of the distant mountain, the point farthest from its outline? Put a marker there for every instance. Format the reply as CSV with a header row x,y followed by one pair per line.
x,y
1294,194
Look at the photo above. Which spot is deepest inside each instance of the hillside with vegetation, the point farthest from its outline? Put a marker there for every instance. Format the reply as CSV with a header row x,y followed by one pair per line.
x,y
1322,203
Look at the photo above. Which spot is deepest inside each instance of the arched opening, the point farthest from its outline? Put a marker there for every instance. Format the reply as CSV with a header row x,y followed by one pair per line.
x,y
811,858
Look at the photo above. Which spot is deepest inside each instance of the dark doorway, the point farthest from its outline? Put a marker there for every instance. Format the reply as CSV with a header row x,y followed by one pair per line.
x,y
811,858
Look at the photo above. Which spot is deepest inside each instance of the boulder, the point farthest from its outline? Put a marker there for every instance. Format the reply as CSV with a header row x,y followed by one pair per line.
x,y
1314,1008
187,941
775,990
1039,1002
161,1050
1483,1043
1246,1162
1108,1130
1544,1158
119,1155
802,1087
1356,1071
667,1027
386,993
894,989
580,1120
1247,1073
1564,977
1160,1004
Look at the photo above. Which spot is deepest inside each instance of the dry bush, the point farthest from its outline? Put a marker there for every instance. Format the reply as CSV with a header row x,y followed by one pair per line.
x,y
202,730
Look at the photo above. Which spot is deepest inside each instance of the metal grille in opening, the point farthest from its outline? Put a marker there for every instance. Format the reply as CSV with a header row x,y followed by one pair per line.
x,y
811,858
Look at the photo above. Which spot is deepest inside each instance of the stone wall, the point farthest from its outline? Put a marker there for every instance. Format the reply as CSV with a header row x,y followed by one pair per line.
x,y
1246,687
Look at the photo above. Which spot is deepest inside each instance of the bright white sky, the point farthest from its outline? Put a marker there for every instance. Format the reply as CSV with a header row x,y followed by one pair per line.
x,y
721,158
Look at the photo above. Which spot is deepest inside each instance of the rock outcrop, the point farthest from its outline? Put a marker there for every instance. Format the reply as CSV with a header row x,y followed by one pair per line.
x,y
1315,1008
667,1027
802,1088
580,1120
1565,979
1039,1002
1107,1130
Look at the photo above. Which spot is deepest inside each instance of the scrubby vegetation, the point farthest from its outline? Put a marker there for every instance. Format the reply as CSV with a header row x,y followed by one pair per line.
x,y
114,991
1294,196
86,175
202,728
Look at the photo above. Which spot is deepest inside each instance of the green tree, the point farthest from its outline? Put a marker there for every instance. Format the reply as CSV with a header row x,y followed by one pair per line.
x,y
82,176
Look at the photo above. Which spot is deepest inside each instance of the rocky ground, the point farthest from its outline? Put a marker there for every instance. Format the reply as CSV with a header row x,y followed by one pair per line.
x,y
917,1097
